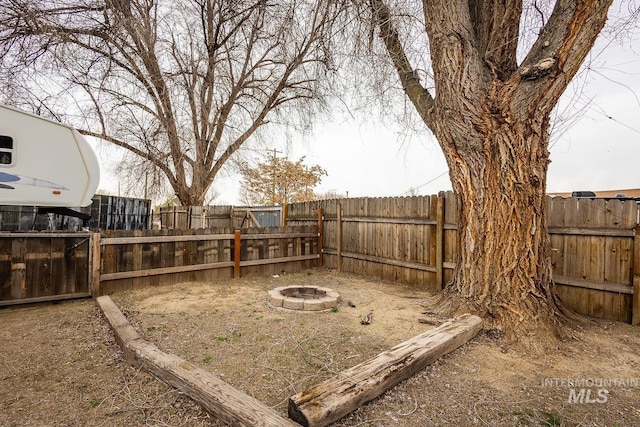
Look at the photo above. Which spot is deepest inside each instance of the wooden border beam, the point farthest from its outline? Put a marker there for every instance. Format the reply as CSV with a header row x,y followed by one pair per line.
x,y
331,400
219,398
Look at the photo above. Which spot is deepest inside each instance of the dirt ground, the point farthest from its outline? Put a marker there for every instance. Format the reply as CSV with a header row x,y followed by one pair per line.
x,y
60,365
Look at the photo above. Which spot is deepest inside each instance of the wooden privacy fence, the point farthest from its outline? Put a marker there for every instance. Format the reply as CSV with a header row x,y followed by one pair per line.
x,y
118,213
107,213
141,258
410,240
413,240
596,256
183,217
38,267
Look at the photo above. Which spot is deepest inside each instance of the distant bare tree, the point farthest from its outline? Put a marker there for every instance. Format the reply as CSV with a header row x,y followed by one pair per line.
x,y
330,195
280,181
182,84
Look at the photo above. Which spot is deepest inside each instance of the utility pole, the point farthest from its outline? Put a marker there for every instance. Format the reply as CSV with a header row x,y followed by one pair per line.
x,y
146,184
273,189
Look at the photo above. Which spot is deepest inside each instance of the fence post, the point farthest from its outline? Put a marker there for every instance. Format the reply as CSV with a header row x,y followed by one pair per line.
x,y
339,220
440,242
137,259
96,260
284,213
635,305
320,237
236,255
175,218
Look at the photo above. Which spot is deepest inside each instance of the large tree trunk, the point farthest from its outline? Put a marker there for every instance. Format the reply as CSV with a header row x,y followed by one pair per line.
x,y
504,266
490,114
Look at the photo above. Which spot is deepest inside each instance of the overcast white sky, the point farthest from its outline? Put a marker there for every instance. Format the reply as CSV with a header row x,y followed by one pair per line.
x,y
600,151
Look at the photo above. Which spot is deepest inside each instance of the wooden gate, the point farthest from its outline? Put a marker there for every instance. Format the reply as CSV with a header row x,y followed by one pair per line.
x,y
36,267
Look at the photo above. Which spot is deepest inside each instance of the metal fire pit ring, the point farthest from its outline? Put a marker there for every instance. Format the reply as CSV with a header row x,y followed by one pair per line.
x,y
304,298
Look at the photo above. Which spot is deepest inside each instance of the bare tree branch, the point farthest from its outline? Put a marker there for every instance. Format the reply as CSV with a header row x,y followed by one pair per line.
x,y
417,94
180,84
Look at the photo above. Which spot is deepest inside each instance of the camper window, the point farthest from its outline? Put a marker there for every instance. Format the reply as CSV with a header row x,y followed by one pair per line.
x,y
6,150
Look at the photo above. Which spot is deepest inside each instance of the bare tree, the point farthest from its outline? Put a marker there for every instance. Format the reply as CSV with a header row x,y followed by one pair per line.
x,y
490,112
182,85
280,181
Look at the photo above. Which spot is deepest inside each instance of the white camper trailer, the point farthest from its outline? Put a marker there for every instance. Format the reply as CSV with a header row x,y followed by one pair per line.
x,y
44,163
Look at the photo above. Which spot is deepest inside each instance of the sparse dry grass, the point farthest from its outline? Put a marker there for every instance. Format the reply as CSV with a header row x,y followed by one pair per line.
x,y
59,364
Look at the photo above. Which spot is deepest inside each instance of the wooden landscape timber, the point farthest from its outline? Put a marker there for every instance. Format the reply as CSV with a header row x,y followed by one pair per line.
x,y
217,397
331,400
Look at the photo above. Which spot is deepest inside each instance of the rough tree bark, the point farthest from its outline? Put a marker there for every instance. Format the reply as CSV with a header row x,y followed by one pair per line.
x,y
491,117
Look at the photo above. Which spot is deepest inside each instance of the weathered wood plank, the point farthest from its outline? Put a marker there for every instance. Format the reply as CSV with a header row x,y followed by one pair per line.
x,y
570,296
96,262
18,269
319,236
439,242
622,288
164,270
42,235
384,220
46,298
331,400
577,231
161,239
217,397
282,260
258,236
595,271
635,317
586,209
451,233
388,261
237,251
